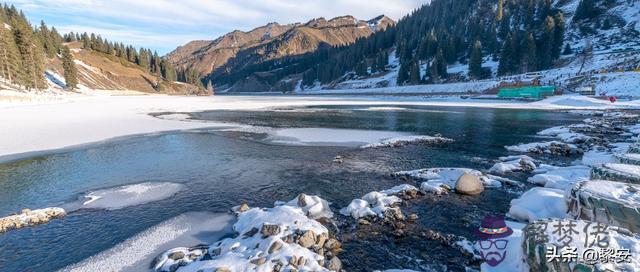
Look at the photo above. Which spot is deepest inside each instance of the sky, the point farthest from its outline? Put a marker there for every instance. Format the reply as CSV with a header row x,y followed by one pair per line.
x,y
163,25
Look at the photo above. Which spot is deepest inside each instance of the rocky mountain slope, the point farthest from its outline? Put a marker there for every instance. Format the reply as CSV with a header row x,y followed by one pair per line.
x,y
238,49
106,72
206,56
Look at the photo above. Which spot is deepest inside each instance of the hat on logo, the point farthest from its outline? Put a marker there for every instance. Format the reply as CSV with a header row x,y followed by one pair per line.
x,y
493,227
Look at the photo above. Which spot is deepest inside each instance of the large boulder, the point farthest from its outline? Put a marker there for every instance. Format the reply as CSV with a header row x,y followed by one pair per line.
x,y
607,202
469,184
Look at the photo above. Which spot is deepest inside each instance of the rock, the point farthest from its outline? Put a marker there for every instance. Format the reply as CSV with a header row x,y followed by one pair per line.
x,y
243,207
223,269
29,217
301,261
178,255
412,217
293,261
398,233
269,230
332,244
250,233
364,222
193,256
334,264
302,202
307,239
393,214
278,266
259,261
275,247
321,239
469,184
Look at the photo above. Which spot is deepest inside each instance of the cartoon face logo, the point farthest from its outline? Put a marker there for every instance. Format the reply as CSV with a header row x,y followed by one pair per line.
x,y
493,233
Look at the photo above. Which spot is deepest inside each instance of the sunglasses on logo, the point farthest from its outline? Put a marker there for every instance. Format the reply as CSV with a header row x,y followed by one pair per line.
x,y
498,243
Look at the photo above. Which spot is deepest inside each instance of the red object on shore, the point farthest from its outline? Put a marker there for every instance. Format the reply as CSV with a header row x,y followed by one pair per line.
x,y
612,99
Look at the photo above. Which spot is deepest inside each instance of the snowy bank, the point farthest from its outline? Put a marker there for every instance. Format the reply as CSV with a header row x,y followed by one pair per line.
x,y
137,252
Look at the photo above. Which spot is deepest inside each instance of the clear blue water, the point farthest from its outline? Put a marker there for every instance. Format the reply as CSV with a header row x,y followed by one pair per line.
x,y
222,169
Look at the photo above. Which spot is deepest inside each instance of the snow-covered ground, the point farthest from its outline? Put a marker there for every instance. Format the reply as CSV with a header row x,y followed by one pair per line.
x,y
35,126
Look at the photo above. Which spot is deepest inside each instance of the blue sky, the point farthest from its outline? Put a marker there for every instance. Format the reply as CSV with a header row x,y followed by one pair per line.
x,y
165,24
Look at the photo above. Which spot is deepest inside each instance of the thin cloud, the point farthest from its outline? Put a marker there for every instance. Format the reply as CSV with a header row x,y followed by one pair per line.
x,y
166,24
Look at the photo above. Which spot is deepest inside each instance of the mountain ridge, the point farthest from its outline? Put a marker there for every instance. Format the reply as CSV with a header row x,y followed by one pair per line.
x,y
206,56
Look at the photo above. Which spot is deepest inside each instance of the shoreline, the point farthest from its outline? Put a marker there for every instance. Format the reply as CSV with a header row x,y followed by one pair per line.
x,y
36,129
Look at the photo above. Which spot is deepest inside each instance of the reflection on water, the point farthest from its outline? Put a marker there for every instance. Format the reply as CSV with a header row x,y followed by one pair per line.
x,y
220,169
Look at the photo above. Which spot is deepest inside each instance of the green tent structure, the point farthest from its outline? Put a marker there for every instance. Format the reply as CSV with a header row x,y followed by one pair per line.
x,y
536,92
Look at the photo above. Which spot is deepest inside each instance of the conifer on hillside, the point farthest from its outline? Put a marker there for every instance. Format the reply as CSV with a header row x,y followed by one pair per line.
x,y
69,66
475,61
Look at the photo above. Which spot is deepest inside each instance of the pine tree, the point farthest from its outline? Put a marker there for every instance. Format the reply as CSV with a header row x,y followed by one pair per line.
x,y
438,68
586,10
70,72
414,74
530,61
567,50
475,61
10,61
558,35
547,42
361,69
30,52
168,71
403,73
504,66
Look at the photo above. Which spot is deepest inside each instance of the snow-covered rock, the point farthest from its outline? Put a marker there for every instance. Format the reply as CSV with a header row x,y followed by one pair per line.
x,y
376,203
539,203
566,134
405,140
608,202
441,180
561,177
521,163
28,218
552,147
313,206
617,172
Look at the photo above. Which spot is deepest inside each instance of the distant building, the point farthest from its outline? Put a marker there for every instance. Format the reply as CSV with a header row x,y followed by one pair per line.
x,y
588,90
